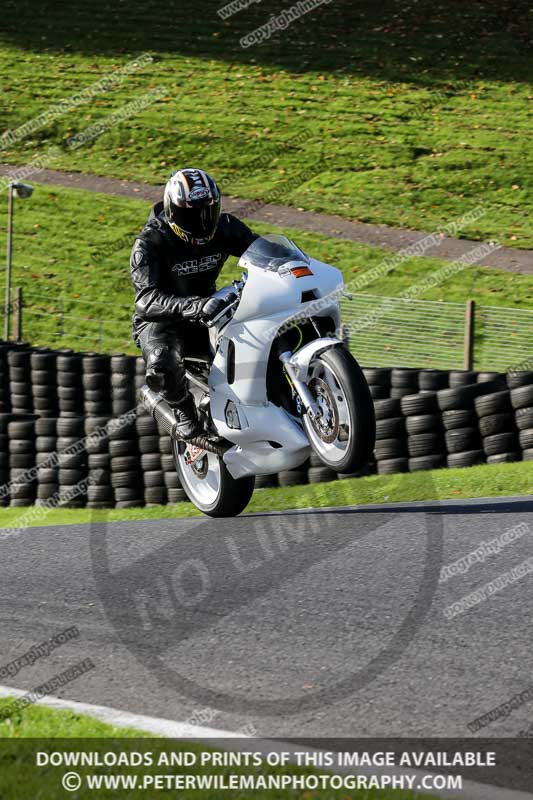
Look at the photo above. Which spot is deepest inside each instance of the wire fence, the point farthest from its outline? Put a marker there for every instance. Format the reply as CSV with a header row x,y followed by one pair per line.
x,y
382,331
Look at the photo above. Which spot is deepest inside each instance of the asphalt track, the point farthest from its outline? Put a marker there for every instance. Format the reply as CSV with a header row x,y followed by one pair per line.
x,y
306,624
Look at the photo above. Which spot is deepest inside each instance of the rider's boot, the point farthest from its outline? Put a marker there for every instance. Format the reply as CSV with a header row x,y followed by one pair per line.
x,y
188,425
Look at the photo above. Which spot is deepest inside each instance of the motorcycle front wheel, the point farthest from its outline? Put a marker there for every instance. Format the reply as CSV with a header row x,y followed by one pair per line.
x,y
343,434
209,485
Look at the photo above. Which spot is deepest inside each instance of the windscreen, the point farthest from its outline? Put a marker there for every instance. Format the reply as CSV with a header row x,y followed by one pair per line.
x,y
273,251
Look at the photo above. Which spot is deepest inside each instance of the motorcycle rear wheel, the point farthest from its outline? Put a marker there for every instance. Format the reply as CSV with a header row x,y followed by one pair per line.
x,y
343,437
209,485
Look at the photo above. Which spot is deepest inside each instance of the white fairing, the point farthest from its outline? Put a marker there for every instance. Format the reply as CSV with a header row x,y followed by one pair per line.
x,y
269,439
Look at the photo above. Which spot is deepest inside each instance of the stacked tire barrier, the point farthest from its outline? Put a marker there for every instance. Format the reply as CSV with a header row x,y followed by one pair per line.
x,y
71,436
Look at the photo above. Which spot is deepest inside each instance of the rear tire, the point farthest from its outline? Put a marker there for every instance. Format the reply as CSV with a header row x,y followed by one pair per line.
x,y
210,487
353,403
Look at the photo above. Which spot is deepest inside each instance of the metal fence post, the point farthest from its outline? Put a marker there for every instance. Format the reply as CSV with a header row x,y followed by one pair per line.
x,y
470,315
17,314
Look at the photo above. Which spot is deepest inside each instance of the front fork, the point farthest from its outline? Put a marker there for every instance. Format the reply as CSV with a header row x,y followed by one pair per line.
x,y
301,389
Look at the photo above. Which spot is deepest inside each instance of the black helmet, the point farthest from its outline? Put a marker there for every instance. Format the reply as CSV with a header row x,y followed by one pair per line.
x,y
192,205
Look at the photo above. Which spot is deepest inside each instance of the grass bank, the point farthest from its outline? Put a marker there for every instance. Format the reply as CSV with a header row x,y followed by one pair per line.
x,y
487,480
405,114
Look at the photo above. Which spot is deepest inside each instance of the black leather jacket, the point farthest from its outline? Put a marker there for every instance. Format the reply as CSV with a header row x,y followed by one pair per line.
x,y
166,271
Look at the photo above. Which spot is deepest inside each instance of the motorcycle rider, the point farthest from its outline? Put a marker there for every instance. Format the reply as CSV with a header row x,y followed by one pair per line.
x,y
174,263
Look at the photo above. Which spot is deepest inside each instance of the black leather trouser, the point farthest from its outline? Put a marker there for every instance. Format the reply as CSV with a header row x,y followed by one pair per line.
x,y
163,346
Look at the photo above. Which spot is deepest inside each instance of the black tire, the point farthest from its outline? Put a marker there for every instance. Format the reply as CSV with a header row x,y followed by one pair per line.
x,y
499,402
527,455
349,374
45,444
121,363
385,409
119,407
70,477
389,466
464,396
99,494
496,423
291,477
423,423
526,438
99,477
123,447
99,461
177,496
16,374
397,392
128,463
47,475
70,393
146,426
320,475
66,461
70,408
404,377
167,462
149,444
151,461
425,444
22,388
165,444
461,377
95,364
41,377
121,428
266,481
95,380
378,392
461,439
43,362
172,481
432,380
524,418
47,490
74,428
96,445
41,391
485,377
419,463
460,418
500,443
126,480
22,446
233,495
390,448
22,460
414,404
69,363
154,477
19,358
377,376
392,428
68,380
21,430
96,424
504,458
516,379
522,397
129,494
468,458
96,408
155,496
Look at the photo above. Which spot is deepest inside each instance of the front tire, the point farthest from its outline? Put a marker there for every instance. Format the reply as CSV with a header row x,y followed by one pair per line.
x,y
344,435
209,485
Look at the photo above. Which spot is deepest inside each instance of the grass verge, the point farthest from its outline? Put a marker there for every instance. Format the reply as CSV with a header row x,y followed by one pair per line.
x,y
78,291
20,777
487,480
405,114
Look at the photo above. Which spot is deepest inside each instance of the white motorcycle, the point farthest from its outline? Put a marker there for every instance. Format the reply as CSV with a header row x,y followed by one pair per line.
x,y
277,382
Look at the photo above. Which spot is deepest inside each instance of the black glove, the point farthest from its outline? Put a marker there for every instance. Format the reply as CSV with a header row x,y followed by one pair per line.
x,y
190,308
214,306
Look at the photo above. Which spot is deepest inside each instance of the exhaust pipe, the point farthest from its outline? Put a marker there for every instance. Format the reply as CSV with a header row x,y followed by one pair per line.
x,y
163,413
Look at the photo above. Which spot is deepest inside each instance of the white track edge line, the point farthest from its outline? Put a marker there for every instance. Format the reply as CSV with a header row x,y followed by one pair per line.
x,y
184,730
